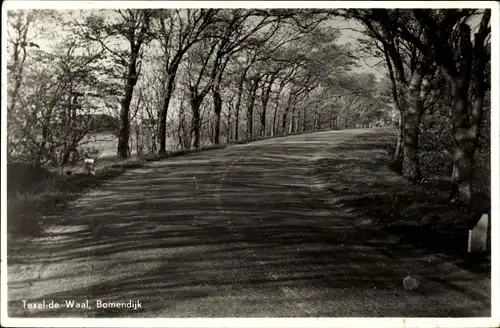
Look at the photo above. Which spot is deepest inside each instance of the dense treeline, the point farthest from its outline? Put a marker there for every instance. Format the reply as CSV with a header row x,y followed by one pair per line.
x,y
434,51
186,78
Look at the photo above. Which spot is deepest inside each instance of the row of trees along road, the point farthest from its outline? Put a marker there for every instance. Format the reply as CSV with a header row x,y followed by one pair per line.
x,y
421,48
185,78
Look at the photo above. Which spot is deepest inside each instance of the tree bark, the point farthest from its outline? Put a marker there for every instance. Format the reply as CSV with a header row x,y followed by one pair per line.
x,y
132,75
162,128
265,100
398,151
180,128
410,106
283,123
124,133
195,123
217,110
396,157
465,130
315,120
273,130
250,121
412,116
138,141
229,127
275,122
303,128
251,103
463,152
237,110
262,132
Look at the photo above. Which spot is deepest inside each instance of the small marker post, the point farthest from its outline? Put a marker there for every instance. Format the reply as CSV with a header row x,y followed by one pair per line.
x,y
478,236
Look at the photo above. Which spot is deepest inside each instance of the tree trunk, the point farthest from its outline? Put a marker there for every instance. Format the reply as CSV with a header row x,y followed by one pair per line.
x,y
195,123
237,111
135,47
465,131
283,123
297,122
138,141
335,122
229,127
465,142
251,103
411,167
153,145
180,128
123,136
217,110
162,128
303,129
265,100
292,120
66,156
211,131
273,130
250,121
263,123
396,157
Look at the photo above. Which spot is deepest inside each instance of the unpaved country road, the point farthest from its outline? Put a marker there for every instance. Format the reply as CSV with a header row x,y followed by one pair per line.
x,y
246,231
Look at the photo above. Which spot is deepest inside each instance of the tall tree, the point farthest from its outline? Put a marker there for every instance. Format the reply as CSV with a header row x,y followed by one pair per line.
x,y
459,61
133,26
408,67
177,31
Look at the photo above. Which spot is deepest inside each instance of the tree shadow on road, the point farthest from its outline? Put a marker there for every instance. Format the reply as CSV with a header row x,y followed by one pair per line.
x,y
223,234
420,214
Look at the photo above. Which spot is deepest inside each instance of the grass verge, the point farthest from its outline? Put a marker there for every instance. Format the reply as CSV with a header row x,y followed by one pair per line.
x,y
360,176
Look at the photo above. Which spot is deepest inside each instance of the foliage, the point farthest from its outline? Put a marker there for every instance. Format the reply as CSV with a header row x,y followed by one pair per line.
x,y
59,91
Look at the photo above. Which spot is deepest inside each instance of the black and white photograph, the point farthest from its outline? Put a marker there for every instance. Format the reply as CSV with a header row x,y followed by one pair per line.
x,y
240,163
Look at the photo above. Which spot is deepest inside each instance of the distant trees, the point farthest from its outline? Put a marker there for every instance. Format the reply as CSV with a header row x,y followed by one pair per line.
x,y
103,123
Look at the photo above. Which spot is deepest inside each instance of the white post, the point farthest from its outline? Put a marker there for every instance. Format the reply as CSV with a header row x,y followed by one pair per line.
x,y
89,166
469,244
478,236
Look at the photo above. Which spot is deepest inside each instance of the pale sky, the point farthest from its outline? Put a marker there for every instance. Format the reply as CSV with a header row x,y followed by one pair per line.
x,y
350,37
347,37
